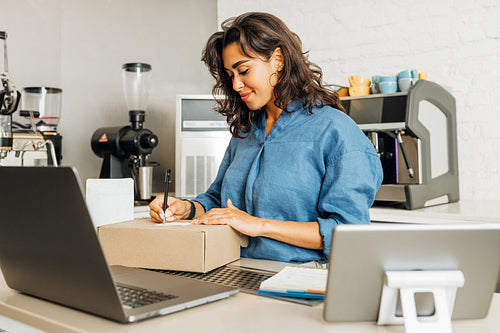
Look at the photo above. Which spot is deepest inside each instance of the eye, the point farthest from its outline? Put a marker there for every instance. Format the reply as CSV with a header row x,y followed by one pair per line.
x,y
244,72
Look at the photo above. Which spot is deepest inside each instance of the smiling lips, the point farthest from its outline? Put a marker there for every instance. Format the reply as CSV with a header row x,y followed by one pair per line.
x,y
245,96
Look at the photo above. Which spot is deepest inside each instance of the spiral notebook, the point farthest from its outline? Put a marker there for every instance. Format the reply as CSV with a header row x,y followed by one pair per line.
x,y
296,282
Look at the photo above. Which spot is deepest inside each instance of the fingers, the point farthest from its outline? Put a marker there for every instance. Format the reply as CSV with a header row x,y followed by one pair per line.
x,y
174,211
156,209
216,216
219,215
211,220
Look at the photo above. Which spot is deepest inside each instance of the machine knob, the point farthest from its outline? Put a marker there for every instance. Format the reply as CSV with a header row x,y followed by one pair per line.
x,y
148,141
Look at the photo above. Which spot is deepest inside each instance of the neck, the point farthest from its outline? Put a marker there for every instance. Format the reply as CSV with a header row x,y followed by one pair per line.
x,y
272,112
272,115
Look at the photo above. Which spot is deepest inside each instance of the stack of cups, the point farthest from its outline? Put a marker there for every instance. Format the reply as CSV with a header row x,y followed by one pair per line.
x,y
391,84
388,84
360,86
407,78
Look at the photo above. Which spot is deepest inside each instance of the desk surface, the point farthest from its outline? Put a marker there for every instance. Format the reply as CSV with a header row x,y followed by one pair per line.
x,y
239,313
250,313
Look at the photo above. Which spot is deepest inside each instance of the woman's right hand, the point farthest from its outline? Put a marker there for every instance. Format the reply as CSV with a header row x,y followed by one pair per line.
x,y
177,209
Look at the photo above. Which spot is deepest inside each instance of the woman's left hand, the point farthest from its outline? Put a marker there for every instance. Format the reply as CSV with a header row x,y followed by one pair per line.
x,y
234,217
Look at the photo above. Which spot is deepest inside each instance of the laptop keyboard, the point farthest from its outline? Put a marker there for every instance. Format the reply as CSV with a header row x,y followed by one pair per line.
x,y
246,280
133,297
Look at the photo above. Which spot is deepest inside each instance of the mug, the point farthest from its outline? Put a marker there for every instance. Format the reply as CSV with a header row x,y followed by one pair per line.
x,y
388,78
406,74
359,91
358,80
405,84
388,87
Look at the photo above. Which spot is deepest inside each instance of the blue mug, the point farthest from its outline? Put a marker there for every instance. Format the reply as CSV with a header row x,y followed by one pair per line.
x,y
388,87
406,74
388,78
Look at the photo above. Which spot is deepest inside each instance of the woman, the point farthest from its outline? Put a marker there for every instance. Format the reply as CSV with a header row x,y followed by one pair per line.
x,y
296,165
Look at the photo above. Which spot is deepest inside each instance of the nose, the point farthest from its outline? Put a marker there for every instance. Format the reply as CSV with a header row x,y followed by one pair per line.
x,y
237,83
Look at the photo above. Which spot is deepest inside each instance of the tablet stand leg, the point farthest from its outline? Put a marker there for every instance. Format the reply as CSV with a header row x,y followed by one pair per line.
x,y
442,284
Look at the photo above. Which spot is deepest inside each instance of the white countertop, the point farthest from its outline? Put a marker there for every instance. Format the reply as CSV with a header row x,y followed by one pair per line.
x,y
239,313
458,212
250,313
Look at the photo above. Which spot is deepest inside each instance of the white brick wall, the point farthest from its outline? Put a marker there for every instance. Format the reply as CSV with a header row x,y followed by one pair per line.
x,y
456,42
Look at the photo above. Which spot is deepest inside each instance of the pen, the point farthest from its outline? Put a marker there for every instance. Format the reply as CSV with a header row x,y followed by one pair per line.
x,y
168,174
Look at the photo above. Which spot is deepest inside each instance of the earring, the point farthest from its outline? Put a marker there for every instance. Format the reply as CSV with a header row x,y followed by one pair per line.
x,y
273,79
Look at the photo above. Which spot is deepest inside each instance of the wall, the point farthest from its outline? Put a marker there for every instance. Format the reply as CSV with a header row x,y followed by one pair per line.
x,y
456,42
80,46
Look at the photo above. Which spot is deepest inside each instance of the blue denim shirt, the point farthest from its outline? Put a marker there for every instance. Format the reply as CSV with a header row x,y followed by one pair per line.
x,y
311,167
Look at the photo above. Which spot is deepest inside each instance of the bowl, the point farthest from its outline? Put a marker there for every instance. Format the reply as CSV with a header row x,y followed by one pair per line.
x,y
359,91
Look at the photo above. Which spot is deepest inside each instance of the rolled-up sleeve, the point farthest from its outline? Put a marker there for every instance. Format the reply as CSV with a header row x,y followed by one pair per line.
x,y
348,191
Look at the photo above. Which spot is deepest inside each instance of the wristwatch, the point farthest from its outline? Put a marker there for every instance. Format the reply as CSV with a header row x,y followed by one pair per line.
x,y
192,212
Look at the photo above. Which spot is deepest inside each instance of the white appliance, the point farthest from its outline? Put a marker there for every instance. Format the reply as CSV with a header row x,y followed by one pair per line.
x,y
202,137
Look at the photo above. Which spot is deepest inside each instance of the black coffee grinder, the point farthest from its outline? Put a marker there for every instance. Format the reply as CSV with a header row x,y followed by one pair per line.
x,y
125,150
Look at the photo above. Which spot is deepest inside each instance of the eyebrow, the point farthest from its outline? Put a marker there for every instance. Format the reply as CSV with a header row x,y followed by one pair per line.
x,y
236,64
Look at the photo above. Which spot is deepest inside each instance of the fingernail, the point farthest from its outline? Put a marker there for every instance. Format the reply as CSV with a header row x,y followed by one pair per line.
x,y
169,219
168,213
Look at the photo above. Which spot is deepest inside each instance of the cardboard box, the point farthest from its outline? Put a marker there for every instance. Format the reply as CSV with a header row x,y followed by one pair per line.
x,y
173,246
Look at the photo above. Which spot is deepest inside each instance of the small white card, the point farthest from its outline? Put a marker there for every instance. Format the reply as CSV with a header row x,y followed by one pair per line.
x,y
110,200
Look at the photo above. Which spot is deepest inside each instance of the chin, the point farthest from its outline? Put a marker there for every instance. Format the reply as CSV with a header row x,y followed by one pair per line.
x,y
254,106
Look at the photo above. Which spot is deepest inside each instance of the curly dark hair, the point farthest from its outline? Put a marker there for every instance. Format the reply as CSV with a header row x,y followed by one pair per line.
x,y
260,34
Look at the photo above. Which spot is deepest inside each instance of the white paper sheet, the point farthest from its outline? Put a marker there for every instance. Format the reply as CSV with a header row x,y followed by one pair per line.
x,y
169,224
110,200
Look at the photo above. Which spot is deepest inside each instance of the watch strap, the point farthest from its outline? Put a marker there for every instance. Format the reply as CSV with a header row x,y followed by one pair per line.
x,y
192,212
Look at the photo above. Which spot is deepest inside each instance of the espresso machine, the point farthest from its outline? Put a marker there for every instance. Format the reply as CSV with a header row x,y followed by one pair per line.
x,y
30,136
125,150
9,99
415,135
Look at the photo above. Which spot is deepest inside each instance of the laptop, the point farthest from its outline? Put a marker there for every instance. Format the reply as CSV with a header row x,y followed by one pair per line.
x,y
49,249
361,254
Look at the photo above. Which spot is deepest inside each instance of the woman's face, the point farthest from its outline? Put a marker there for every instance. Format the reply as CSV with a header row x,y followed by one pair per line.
x,y
253,77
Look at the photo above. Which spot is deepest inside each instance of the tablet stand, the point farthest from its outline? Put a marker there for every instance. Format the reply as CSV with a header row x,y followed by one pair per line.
x,y
442,284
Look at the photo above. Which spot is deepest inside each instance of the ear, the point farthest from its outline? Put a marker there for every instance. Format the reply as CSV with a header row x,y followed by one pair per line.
x,y
278,59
